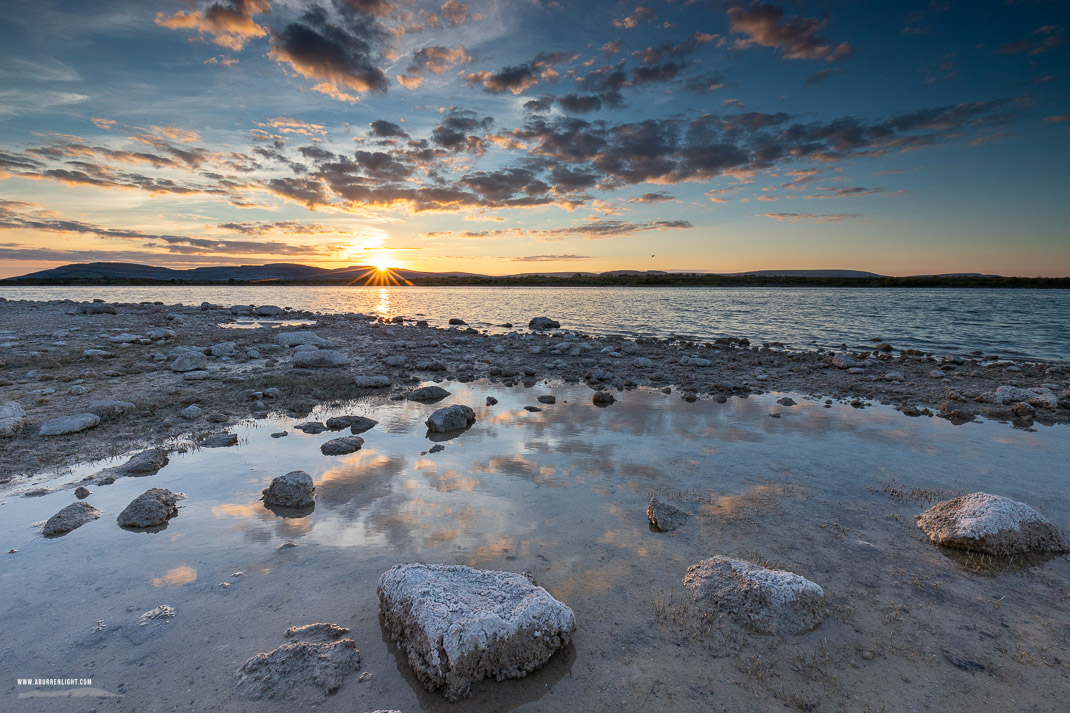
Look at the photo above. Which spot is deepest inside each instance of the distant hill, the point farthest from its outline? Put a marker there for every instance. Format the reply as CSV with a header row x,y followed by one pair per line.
x,y
122,273
287,272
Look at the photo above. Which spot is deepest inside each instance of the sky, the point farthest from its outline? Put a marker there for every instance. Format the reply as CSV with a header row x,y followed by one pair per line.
x,y
537,135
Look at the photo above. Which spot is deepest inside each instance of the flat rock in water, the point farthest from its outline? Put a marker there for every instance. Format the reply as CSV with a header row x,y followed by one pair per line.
x,y
451,418
316,632
980,522
299,669
342,446
665,517
547,399
371,381
65,425
70,518
459,625
312,427
219,440
427,394
151,508
109,409
146,462
293,490
769,601
543,323
786,401
602,398
357,424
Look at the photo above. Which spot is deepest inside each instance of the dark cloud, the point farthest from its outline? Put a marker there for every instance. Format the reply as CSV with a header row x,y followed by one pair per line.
x,y
655,54
339,56
387,130
1044,39
513,79
647,74
579,103
814,217
657,197
455,132
796,39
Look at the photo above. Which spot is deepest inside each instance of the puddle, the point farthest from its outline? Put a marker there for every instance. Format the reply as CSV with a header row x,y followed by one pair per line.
x,y
269,323
828,493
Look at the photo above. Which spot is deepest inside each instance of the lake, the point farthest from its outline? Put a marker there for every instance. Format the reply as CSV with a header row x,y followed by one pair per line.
x,y
1019,324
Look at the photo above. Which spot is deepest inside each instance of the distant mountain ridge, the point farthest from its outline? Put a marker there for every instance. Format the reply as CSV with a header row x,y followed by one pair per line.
x,y
292,272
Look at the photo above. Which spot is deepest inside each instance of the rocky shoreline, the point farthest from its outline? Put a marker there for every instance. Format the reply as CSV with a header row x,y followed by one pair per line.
x,y
84,381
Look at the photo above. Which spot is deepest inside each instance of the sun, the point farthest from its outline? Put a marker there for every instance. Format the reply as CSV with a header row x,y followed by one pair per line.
x,y
382,264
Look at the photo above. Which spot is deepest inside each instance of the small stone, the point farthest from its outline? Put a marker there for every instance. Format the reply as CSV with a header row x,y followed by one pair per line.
x,y
768,601
151,508
319,359
312,427
543,323
450,419
65,425
219,440
786,401
191,412
342,446
156,616
491,401
547,399
665,517
280,434
602,398
82,492
316,632
109,409
532,409
293,490
371,381
70,518
12,419
189,361
298,670
427,394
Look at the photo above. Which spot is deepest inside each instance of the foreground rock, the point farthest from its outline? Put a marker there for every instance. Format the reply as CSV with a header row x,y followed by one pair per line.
x,y
219,440
293,490
459,625
371,381
769,601
450,419
296,670
12,418
109,409
995,525
145,463
70,518
342,446
665,517
151,508
602,398
65,425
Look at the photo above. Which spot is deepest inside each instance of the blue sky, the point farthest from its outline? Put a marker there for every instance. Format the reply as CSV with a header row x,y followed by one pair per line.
x,y
505,137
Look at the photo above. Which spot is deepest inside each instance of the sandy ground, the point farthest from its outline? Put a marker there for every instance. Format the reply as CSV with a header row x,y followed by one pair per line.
x,y
45,366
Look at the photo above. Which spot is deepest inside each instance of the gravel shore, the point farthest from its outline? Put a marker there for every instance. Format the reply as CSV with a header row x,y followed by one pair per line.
x,y
138,368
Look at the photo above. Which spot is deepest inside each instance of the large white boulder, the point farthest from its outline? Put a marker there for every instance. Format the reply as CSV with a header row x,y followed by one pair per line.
x,y
992,524
459,625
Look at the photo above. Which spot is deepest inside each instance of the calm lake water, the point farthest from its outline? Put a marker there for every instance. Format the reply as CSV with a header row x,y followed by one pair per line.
x,y
829,493
1022,324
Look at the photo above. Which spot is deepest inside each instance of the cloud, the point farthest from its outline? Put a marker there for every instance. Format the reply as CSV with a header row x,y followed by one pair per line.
x,y
229,22
686,47
641,14
437,59
456,13
656,197
339,56
550,258
813,217
796,39
1043,40
647,74
603,229
1056,118
387,130
707,82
